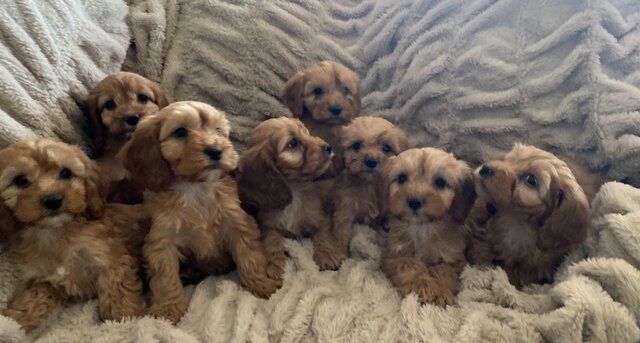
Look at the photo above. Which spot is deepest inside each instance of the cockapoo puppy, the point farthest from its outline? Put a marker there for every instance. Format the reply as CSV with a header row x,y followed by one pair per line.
x,y
277,177
429,194
51,220
114,108
325,97
183,156
530,212
367,143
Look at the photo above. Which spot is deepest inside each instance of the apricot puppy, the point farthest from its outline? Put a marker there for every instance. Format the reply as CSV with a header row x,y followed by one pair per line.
x,y
114,108
368,143
428,196
325,97
52,195
531,211
183,156
277,177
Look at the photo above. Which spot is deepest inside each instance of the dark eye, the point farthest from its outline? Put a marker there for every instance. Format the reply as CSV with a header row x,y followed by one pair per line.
x,y
356,146
65,174
21,181
386,149
317,91
292,143
110,105
180,132
143,98
346,91
531,180
440,183
402,178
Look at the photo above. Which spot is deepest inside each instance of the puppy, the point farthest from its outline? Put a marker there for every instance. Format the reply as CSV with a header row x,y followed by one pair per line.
x,y
367,143
51,196
428,196
114,108
326,97
530,212
183,156
276,177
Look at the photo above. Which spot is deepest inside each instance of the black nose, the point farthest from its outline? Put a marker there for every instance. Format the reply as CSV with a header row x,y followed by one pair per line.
x,y
132,119
370,163
52,201
327,149
414,204
485,171
335,110
213,153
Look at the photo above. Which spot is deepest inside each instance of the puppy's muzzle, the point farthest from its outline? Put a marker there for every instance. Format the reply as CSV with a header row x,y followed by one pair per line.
x,y
132,119
370,163
52,201
214,153
486,171
414,204
335,110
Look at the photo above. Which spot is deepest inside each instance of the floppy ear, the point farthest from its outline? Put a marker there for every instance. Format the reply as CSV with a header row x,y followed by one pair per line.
x,y
142,156
8,224
397,139
97,129
96,188
569,221
292,93
465,197
158,94
260,183
382,188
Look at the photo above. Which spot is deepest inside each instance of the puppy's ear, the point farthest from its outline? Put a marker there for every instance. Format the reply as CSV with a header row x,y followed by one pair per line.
x,y
292,94
97,129
142,156
260,183
96,188
158,94
465,197
397,140
382,184
8,224
569,221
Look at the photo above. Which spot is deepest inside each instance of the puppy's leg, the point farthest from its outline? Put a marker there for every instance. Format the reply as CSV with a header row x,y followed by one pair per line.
x,y
343,219
448,278
274,249
163,269
249,255
326,253
120,289
31,306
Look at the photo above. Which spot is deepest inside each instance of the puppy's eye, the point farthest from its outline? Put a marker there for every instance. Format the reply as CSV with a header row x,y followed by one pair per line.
x,y
440,183
180,132
402,178
346,91
293,143
143,98
356,146
65,174
110,105
21,181
317,91
531,180
386,149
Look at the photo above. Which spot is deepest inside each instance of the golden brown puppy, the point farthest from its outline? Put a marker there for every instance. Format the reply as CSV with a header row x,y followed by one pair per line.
x,y
429,195
326,97
183,156
368,143
114,108
276,176
51,193
530,212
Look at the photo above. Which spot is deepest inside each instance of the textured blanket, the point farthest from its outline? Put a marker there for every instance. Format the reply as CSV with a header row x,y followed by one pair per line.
x,y
595,299
51,53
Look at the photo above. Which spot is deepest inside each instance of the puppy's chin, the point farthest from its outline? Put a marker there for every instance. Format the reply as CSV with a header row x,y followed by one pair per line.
x,y
54,221
410,218
320,173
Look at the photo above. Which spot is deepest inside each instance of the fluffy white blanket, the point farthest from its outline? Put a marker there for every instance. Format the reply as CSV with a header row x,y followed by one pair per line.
x,y
593,299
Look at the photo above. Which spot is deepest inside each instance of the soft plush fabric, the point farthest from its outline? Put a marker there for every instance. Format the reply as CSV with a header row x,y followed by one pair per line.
x,y
594,299
471,76
51,54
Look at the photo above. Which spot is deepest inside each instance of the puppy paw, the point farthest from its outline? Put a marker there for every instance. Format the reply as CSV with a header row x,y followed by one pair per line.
x,y
328,260
170,312
275,271
264,286
430,291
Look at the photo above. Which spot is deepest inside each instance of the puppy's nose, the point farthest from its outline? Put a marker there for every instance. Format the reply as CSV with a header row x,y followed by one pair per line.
x,y
132,119
335,110
370,163
486,171
52,201
414,204
213,153
327,149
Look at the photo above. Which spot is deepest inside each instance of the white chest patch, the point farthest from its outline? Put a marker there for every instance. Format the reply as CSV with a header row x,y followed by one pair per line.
x,y
519,237
290,215
193,194
419,232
